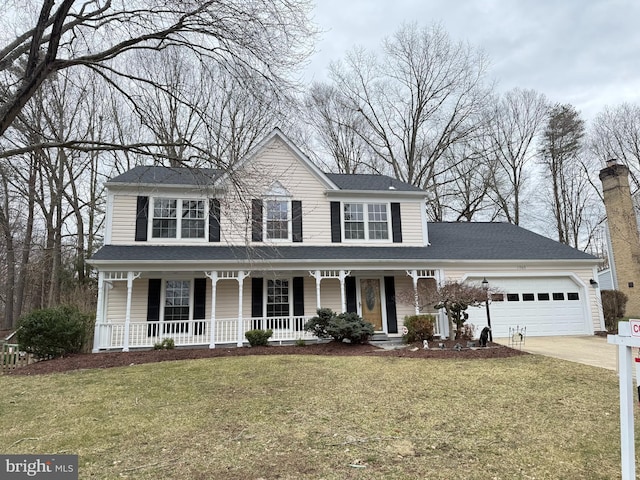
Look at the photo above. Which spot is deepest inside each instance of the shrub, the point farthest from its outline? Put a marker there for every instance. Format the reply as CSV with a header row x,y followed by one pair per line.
x,y
258,338
345,326
165,344
54,332
300,343
419,328
614,304
318,324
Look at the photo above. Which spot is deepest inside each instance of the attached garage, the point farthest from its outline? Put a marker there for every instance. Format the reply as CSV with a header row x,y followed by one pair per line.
x,y
544,305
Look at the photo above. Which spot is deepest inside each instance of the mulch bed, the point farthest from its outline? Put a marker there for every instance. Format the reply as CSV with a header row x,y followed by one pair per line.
x,y
120,359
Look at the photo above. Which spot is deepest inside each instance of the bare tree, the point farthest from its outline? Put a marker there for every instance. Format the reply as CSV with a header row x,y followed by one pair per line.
x,y
615,134
517,121
265,38
421,97
339,130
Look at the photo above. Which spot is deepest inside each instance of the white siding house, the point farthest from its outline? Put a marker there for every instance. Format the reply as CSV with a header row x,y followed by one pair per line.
x,y
201,256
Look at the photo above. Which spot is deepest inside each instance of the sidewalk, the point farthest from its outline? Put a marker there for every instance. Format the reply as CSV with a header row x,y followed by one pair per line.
x,y
589,350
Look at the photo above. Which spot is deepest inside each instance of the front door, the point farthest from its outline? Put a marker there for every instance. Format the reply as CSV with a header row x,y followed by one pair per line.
x,y
370,301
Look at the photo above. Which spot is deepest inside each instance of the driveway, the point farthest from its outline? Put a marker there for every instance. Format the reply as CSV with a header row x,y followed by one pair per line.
x,y
590,350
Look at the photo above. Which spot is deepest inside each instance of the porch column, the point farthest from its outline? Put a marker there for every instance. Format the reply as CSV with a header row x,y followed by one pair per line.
x,y
99,313
318,276
127,319
241,276
343,292
212,325
414,278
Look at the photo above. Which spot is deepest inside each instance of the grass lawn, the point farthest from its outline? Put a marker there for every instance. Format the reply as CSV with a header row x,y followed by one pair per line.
x,y
292,417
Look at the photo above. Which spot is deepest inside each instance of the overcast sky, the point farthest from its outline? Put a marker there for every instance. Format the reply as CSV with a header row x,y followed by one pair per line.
x,y
583,52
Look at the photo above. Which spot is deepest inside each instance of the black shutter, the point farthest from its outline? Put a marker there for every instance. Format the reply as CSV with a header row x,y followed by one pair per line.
x,y
336,235
390,301
296,220
256,299
350,288
214,220
199,303
256,220
153,305
142,215
396,223
298,296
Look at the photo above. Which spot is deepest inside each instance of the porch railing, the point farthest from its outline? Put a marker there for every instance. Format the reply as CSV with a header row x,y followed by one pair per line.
x,y
197,332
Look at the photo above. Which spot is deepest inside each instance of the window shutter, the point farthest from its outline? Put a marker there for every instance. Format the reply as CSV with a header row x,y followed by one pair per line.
x,y
214,220
199,304
142,215
396,223
256,296
296,220
256,220
350,288
298,296
153,305
390,301
335,222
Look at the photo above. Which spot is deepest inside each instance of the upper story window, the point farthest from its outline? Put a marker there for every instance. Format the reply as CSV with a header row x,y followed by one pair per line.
x,y
366,221
175,218
277,219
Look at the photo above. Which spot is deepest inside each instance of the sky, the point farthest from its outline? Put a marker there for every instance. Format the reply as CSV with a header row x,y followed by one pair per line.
x,y
582,52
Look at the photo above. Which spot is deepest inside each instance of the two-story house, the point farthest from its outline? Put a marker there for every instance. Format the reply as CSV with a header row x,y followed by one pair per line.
x,y
202,256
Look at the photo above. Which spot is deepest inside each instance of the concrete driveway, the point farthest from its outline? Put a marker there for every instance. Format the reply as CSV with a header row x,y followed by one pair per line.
x,y
590,350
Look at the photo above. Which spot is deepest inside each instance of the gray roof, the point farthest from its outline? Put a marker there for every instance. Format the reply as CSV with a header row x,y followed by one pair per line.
x,y
155,175
147,174
369,182
449,241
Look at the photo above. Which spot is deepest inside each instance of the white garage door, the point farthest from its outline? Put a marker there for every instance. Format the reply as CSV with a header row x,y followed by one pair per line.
x,y
545,306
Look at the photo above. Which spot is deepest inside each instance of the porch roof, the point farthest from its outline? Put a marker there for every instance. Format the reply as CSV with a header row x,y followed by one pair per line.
x,y
449,241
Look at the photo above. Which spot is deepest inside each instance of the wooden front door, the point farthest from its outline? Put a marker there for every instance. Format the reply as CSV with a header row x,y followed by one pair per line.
x,y
370,301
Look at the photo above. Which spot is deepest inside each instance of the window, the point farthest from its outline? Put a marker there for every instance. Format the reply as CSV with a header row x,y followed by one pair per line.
x,y
176,305
558,296
378,222
277,298
372,225
192,219
278,303
573,296
167,223
164,218
497,297
513,297
543,296
528,297
277,219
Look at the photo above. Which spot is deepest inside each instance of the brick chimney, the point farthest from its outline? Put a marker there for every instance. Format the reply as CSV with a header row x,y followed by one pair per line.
x,y
623,233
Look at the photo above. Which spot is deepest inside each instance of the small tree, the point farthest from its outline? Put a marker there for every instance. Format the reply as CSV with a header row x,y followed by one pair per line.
x,y
453,297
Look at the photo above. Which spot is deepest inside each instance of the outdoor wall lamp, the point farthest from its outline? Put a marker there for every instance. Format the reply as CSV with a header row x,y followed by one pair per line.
x,y
593,282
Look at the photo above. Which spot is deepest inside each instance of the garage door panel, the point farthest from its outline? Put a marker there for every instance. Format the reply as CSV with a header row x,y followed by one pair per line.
x,y
540,317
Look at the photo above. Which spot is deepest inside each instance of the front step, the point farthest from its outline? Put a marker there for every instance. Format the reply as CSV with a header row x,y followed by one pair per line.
x,y
379,337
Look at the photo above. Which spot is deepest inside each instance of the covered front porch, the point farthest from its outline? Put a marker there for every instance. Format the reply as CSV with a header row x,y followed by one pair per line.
x,y
217,307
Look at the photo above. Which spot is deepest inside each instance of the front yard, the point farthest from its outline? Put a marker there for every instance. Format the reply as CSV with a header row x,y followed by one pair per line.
x,y
292,417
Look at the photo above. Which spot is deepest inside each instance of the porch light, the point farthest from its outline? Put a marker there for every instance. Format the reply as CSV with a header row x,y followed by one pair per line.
x,y
485,286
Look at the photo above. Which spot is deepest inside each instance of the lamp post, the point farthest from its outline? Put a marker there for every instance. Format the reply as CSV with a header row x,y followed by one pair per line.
x,y
485,285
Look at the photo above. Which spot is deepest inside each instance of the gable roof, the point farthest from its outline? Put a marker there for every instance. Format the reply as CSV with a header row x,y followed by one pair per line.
x,y
370,182
455,241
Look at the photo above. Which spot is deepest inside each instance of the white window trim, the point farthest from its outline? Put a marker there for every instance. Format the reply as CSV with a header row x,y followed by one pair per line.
x,y
366,238
265,296
179,204
163,300
273,198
